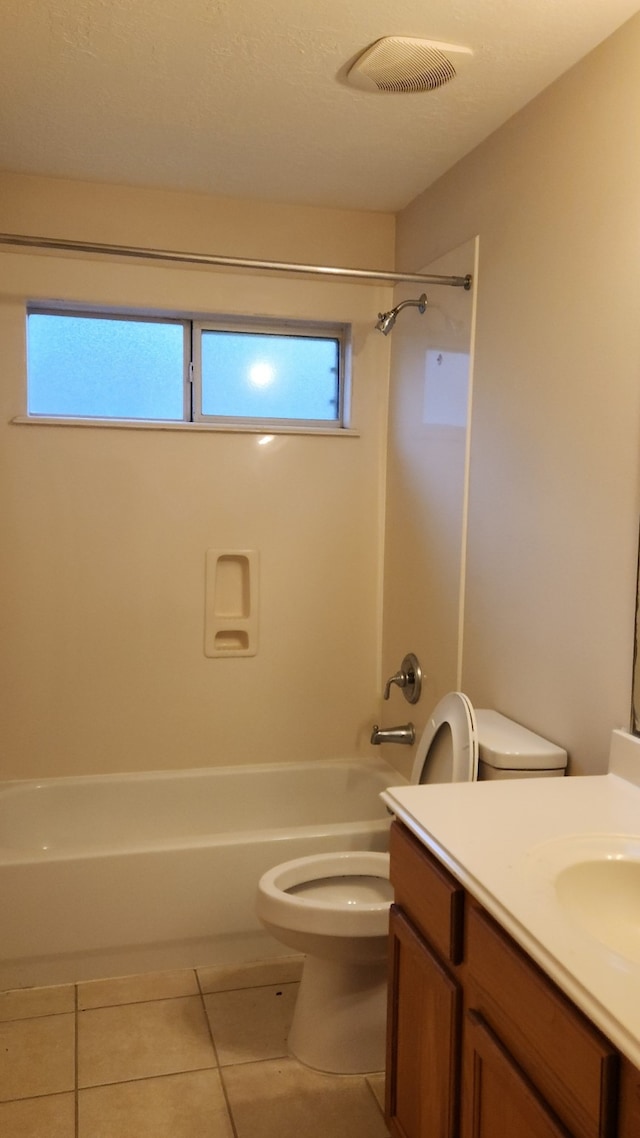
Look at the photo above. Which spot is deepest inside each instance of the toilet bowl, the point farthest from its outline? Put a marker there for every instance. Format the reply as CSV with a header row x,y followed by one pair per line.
x,y
335,907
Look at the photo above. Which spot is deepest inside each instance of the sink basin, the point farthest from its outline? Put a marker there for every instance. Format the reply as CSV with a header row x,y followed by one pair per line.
x,y
597,884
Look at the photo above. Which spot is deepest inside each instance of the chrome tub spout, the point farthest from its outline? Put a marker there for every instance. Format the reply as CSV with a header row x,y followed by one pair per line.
x,y
406,733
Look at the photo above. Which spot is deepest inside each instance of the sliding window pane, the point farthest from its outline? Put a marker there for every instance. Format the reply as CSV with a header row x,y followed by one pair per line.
x,y
94,367
267,376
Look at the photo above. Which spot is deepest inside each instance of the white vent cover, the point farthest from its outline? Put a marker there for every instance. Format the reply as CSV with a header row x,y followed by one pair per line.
x,y
399,64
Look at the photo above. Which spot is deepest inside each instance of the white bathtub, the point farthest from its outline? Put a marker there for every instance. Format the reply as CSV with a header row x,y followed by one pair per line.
x,y
102,875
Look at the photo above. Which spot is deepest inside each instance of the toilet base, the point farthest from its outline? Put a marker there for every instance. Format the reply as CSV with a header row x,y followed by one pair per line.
x,y
340,1016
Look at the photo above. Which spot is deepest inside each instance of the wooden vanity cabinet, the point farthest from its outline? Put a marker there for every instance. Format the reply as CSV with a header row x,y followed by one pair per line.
x,y
499,1100
423,1038
425,996
629,1101
480,1043
561,1053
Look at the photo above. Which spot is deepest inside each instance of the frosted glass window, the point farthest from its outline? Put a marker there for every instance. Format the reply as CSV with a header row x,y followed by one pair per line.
x,y
267,376
86,365
98,367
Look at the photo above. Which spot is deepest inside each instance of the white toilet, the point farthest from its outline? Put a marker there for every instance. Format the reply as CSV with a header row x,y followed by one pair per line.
x,y
335,907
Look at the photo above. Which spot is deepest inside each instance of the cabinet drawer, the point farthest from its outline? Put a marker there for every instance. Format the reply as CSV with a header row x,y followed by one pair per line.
x,y
569,1061
428,893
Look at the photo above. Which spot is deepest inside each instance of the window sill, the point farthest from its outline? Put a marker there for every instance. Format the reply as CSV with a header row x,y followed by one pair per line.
x,y
165,425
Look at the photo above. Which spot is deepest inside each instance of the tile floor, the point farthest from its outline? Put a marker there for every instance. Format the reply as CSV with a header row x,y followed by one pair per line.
x,y
185,1054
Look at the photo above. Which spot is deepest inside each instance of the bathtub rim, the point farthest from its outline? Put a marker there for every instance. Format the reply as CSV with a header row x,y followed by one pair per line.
x,y
374,763
12,855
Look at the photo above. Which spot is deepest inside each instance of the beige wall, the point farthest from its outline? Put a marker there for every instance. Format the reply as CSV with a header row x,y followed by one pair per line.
x,y
426,492
166,219
104,530
553,510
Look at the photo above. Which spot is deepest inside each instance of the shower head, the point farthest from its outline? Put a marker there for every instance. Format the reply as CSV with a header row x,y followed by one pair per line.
x,y
386,320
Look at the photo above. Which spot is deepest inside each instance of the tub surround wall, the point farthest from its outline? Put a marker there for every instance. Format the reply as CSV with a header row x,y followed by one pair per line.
x,y
105,531
554,486
429,413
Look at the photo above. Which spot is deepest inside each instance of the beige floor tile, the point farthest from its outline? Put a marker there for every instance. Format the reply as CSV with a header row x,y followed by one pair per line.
x,y
283,1099
24,1003
137,989
251,1023
176,1106
137,1041
282,970
51,1117
376,1085
37,1057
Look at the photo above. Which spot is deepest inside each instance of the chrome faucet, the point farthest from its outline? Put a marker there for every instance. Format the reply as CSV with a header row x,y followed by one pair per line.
x,y
406,733
408,678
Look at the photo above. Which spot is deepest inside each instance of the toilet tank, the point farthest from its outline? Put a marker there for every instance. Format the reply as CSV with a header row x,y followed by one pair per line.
x,y
508,750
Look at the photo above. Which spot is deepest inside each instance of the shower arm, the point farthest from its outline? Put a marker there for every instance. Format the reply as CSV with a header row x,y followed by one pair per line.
x,y
420,303
386,320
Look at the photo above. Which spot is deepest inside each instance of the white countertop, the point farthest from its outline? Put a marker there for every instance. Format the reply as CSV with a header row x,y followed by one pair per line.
x,y
502,841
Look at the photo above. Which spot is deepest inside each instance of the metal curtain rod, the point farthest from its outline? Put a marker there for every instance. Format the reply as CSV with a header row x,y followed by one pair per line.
x,y
225,262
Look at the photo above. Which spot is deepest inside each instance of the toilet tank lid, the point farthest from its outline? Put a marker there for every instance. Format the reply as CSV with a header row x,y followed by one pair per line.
x,y
507,745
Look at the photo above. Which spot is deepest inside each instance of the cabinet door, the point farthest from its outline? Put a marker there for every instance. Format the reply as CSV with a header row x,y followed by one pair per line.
x,y
498,1100
423,1031
629,1118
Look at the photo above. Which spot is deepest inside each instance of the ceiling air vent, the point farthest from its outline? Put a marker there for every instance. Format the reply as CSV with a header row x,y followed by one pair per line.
x,y
399,64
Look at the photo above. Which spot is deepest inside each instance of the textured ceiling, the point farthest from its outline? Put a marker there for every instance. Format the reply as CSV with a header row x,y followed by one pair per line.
x,y
247,97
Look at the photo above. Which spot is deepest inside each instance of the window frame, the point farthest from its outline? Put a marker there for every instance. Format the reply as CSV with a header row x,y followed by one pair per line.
x,y
302,329
193,325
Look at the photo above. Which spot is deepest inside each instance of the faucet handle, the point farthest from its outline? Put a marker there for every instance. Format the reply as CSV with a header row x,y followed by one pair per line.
x,y
400,679
409,678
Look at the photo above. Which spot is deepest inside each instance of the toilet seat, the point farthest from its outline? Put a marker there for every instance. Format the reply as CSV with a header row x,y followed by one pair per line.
x,y
338,917
454,711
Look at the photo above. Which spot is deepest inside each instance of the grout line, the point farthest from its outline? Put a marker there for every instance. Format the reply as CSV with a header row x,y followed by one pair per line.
x,y
124,1003
184,996
30,1098
149,1000
144,1078
223,1084
207,1021
96,1007
133,1003
268,1059
248,987
44,1015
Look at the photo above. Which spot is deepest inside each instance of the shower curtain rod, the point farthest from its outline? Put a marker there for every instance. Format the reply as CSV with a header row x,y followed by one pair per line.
x,y
226,262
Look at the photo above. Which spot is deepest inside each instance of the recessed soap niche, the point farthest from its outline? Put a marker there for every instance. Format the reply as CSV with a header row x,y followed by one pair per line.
x,y
231,602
